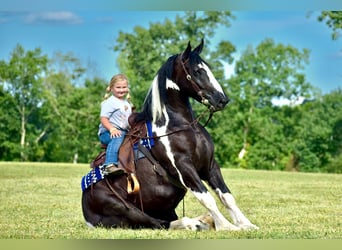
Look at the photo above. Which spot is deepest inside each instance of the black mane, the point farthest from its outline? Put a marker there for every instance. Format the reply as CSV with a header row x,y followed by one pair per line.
x,y
165,72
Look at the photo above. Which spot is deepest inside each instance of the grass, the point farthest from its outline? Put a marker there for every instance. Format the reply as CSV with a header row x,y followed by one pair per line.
x,y
43,201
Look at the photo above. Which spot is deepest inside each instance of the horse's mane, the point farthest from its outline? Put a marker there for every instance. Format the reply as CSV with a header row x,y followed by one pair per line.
x,y
164,73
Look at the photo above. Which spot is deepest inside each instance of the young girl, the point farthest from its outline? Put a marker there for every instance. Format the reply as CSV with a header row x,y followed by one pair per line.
x,y
115,111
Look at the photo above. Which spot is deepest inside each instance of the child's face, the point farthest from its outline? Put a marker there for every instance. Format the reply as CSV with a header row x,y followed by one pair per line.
x,y
120,89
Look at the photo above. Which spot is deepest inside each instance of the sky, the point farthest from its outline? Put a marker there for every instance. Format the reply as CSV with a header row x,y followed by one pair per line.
x,y
90,34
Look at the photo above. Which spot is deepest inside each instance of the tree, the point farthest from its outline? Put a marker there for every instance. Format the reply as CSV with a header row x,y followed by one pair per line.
x,y
45,105
262,74
334,21
140,61
22,78
72,112
9,125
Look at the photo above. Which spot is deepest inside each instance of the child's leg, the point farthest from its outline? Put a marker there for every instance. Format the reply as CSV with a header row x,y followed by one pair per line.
x,y
113,149
105,138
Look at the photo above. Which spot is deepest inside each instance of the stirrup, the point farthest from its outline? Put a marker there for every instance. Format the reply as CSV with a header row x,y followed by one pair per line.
x,y
132,181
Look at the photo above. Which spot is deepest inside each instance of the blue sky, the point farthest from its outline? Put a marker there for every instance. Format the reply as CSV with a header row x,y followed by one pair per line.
x,y
89,34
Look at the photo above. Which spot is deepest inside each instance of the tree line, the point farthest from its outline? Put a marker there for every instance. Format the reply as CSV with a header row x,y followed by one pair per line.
x,y
50,112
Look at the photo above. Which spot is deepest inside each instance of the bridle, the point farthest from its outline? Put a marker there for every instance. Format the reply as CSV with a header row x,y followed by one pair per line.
x,y
204,100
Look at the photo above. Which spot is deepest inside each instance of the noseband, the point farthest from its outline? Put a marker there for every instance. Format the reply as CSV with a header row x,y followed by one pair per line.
x,y
194,85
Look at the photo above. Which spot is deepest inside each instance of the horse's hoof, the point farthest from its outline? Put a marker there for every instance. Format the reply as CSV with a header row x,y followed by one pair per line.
x,y
202,226
248,227
229,227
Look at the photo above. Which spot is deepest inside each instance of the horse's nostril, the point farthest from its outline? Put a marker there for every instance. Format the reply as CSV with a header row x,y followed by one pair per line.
x,y
224,101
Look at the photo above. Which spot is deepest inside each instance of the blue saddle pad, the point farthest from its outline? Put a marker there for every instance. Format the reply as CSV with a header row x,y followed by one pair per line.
x,y
149,141
95,175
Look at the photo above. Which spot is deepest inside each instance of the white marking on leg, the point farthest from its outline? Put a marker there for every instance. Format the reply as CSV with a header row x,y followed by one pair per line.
x,y
208,201
189,224
238,217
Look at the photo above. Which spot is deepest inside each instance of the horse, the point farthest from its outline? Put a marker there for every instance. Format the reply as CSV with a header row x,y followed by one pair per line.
x,y
183,154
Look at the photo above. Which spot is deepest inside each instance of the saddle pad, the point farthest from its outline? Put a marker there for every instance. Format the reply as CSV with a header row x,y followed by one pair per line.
x,y
149,141
95,175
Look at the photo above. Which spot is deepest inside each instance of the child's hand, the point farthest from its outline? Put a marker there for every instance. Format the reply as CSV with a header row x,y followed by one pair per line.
x,y
114,132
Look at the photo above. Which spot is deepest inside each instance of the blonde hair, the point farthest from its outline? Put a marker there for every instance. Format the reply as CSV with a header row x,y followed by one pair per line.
x,y
113,81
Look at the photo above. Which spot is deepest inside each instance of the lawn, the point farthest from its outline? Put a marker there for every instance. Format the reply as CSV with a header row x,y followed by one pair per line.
x,y
43,201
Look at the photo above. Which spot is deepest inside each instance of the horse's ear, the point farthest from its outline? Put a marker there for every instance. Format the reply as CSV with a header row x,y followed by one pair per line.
x,y
199,48
187,51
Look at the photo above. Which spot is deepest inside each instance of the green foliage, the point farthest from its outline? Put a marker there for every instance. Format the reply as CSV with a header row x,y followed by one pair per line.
x,y
334,21
50,112
47,114
141,61
22,79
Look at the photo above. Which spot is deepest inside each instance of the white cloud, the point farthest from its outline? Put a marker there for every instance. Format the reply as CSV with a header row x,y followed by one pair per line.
x,y
62,17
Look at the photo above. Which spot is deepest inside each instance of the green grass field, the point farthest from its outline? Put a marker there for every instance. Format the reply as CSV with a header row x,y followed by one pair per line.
x,y
43,201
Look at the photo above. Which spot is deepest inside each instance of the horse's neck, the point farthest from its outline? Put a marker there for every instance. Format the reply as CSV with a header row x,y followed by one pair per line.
x,y
180,109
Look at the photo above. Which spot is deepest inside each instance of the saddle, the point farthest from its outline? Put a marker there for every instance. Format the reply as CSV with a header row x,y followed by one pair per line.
x,y
126,153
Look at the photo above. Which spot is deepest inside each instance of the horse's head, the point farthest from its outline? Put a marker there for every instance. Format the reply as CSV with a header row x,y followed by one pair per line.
x,y
200,81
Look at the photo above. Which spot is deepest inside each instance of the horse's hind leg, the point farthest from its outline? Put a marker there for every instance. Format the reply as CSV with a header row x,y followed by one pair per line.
x,y
104,209
217,183
117,214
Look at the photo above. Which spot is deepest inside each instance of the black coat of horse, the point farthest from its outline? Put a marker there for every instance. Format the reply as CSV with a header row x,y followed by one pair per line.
x,y
185,153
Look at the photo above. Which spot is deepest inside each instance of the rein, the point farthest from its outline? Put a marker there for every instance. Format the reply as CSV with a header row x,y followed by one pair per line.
x,y
194,122
194,85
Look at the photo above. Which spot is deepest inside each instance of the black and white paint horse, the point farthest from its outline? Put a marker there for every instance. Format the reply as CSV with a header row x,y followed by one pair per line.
x,y
184,151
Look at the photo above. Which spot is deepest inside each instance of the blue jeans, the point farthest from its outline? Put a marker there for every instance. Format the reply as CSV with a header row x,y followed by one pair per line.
x,y
113,146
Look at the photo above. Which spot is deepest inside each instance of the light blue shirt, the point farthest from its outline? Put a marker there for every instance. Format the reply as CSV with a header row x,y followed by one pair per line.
x,y
117,111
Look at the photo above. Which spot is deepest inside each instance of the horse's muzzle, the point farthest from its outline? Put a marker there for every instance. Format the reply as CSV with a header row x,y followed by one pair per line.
x,y
218,101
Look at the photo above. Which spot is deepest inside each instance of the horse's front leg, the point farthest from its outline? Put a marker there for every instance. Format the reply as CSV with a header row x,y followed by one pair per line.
x,y
194,224
216,182
208,201
194,184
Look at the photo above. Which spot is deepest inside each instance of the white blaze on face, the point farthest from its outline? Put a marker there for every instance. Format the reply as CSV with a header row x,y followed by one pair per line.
x,y
212,78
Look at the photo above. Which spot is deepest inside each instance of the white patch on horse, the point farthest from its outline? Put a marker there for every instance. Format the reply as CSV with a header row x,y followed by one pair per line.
x,y
189,224
89,224
171,85
156,103
238,217
208,201
212,78
160,131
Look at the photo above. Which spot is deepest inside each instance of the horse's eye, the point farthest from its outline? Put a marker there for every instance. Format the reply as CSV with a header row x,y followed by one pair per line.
x,y
197,72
